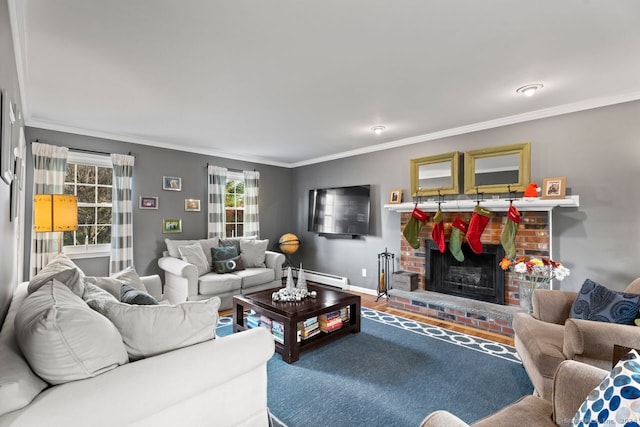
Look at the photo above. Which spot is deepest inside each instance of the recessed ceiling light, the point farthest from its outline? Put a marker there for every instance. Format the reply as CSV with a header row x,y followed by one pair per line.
x,y
529,90
378,129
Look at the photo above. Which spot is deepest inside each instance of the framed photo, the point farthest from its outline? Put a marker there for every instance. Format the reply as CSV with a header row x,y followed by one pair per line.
x,y
172,183
395,196
192,205
172,225
554,188
148,202
7,118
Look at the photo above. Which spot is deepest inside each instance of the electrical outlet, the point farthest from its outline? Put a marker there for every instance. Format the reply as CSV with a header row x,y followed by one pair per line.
x,y
364,272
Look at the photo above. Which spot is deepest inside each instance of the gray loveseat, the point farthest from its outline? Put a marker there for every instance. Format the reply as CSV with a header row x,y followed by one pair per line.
x,y
189,278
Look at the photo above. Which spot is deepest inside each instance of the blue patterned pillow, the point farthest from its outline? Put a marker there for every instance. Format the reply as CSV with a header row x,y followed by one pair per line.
x,y
615,401
595,302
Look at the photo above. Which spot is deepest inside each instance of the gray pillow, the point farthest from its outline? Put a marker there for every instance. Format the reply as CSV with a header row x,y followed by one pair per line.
x,y
63,339
130,276
234,241
132,295
194,254
173,245
207,244
64,270
252,252
148,330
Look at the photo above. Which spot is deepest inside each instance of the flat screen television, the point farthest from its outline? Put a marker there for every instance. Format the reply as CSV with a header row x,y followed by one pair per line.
x,y
341,210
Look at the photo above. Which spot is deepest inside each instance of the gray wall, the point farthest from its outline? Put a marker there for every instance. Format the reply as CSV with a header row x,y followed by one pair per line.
x,y
597,150
150,165
8,229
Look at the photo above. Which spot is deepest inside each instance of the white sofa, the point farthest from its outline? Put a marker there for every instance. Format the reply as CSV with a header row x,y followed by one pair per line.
x,y
182,281
219,382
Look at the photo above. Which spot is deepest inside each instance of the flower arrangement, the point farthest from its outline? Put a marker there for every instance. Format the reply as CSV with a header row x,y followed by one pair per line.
x,y
534,273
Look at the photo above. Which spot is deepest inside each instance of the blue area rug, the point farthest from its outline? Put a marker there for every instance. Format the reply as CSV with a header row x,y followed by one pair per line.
x,y
393,373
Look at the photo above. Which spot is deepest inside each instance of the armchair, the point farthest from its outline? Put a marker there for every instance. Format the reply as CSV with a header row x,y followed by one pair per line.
x,y
572,383
549,336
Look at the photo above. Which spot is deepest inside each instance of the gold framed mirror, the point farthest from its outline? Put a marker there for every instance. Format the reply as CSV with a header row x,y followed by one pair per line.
x,y
496,169
435,174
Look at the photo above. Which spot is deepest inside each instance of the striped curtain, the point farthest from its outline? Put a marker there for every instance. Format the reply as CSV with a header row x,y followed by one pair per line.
x,y
122,222
251,188
217,179
49,165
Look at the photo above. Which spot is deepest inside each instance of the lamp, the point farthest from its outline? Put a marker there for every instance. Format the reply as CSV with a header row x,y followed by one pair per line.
x,y
55,213
378,129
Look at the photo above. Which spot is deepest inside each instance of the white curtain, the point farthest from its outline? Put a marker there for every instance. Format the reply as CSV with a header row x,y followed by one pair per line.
x,y
122,214
251,218
217,185
49,165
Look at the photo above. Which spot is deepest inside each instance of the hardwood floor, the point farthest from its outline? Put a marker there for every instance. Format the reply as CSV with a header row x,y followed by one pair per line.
x,y
369,301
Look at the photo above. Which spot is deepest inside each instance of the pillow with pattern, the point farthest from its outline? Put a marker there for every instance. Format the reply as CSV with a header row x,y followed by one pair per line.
x,y
615,400
596,302
226,260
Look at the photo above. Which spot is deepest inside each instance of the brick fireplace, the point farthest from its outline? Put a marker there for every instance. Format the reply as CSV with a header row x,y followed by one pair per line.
x,y
533,239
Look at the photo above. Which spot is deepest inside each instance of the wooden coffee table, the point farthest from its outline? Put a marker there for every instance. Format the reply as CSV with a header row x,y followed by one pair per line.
x,y
290,313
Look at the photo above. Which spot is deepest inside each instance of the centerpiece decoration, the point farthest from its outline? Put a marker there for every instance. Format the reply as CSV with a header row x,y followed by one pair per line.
x,y
533,273
293,293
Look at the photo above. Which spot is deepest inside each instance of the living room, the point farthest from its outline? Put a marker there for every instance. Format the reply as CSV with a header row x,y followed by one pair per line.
x,y
593,142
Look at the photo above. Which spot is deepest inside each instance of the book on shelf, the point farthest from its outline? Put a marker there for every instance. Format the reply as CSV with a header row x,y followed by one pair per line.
x,y
277,329
265,322
252,320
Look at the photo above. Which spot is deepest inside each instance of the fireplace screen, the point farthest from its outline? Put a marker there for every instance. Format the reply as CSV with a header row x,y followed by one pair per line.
x,y
478,277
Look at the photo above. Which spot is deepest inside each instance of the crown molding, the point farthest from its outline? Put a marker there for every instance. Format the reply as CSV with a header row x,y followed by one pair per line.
x,y
475,127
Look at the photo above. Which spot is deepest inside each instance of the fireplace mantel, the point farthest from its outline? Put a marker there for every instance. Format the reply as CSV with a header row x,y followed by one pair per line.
x,y
498,205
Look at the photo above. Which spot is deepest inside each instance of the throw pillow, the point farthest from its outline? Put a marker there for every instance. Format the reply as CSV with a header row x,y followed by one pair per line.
x,y
193,254
63,339
148,330
596,302
226,259
132,295
130,276
64,270
18,384
253,252
92,292
615,400
173,245
114,283
207,244
234,241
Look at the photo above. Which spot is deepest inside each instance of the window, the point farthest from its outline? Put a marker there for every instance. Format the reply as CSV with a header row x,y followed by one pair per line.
x,y
234,204
89,178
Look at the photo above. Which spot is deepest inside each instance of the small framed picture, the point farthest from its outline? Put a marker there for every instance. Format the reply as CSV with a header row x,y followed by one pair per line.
x,y
172,183
148,202
554,188
172,225
192,205
395,196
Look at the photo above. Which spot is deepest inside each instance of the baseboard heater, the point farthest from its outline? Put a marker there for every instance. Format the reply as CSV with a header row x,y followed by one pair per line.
x,y
325,278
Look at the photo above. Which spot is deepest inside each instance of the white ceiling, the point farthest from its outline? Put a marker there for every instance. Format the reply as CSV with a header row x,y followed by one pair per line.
x,y
296,82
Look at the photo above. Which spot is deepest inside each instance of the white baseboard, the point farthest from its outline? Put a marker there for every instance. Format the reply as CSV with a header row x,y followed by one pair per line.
x,y
333,280
326,279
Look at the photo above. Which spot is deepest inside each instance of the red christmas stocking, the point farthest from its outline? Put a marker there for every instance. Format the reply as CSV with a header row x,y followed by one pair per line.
x,y
477,224
437,234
